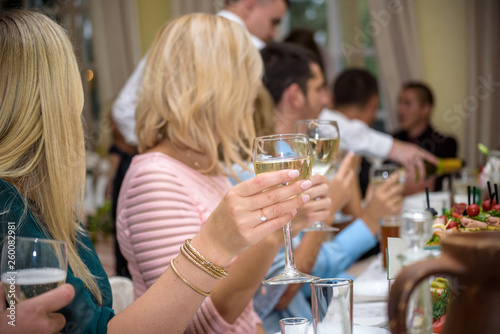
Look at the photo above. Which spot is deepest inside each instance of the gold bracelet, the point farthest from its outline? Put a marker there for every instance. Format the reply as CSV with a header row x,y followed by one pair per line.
x,y
202,259
204,262
188,256
205,294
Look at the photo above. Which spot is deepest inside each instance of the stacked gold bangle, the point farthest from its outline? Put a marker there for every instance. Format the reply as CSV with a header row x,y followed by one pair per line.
x,y
203,293
198,260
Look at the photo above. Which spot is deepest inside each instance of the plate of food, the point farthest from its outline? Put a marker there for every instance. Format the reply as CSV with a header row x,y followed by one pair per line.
x,y
465,218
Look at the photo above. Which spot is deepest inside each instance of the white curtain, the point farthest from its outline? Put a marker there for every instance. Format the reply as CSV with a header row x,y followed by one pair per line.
x,y
116,44
481,108
182,7
395,32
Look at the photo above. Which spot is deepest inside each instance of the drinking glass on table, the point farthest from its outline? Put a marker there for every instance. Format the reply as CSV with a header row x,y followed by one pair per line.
x,y
416,230
324,139
331,304
294,325
277,152
32,266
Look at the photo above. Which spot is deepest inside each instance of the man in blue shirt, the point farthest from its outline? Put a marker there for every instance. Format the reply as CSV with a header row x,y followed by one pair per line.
x,y
296,84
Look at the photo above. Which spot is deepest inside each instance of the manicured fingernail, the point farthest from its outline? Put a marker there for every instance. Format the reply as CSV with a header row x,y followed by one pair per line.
x,y
306,198
294,212
306,185
293,173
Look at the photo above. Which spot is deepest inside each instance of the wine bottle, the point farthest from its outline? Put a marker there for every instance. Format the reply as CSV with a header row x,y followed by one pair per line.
x,y
443,166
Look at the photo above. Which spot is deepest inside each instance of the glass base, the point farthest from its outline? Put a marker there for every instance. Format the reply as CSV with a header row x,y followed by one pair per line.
x,y
290,276
320,227
341,218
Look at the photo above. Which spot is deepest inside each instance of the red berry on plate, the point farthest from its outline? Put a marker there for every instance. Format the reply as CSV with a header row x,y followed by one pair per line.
x,y
473,210
496,207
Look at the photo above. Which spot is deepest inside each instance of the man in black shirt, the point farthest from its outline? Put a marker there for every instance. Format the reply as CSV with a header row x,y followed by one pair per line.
x,y
414,111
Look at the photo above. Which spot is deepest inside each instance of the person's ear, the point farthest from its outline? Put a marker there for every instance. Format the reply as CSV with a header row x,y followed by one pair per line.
x,y
295,96
426,111
249,6
373,103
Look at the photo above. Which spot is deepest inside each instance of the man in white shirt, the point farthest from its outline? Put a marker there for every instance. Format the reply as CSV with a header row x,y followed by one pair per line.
x,y
260,17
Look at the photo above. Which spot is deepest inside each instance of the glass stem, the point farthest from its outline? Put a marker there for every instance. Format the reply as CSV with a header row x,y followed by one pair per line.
x,y
287,233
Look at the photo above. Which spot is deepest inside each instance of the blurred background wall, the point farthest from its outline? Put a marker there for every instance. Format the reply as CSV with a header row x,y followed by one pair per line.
x,y
450,44
443,42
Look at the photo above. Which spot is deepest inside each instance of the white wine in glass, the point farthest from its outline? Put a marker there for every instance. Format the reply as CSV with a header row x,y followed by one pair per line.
x,y
278,152
32,266
324,138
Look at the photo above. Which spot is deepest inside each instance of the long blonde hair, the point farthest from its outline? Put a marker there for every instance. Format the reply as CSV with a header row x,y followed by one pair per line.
x,y
42,149
199,84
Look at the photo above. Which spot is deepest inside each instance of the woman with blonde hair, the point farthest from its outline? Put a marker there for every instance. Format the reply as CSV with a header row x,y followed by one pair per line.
x,y
199,85
42,163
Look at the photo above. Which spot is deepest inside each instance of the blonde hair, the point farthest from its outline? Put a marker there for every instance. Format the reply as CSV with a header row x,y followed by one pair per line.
x,y
264,114
42,149
199,84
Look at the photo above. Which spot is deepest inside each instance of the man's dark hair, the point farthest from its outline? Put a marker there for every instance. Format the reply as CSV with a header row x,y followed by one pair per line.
x,y
354,87
305,38
284,65
424,93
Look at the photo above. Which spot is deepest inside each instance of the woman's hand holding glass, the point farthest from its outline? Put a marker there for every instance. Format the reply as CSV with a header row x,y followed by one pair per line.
x,y
32,266
313,211
276,152
236,223
37,314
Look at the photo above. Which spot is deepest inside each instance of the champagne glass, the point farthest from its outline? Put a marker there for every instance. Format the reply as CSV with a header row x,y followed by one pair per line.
x,y
32,266
324,139
277,152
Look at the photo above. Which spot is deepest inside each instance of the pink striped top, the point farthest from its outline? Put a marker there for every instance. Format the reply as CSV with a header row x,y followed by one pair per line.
x,y
163,202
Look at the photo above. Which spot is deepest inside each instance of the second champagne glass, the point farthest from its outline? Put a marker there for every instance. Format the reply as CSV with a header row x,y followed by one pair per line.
x,y
32,266
324,139
277,152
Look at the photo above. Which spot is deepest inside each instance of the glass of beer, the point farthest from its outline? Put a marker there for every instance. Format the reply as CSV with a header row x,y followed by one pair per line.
x,y
277,152
32,266
389,228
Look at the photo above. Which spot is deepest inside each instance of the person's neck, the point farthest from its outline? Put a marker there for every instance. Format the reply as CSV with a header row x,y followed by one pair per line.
x,y
349,111
417,130
285,122
193,159
236,10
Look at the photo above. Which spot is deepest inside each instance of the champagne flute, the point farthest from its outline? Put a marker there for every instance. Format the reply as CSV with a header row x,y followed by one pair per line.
x,y
277,152
324,139
32,266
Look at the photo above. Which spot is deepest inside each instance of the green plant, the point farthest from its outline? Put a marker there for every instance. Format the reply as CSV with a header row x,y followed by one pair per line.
x,y
100,222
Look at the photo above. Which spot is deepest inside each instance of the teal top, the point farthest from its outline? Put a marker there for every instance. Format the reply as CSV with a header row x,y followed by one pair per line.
x,y
83,314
